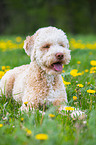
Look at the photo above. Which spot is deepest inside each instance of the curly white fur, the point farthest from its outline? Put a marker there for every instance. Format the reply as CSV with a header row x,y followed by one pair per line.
x,y
40,81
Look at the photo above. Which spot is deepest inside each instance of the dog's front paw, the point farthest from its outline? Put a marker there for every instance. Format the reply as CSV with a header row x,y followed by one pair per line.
x,y
25,107
78,114
73,112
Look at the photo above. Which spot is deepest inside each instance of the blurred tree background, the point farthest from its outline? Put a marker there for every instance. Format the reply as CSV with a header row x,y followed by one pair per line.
x,y
26,16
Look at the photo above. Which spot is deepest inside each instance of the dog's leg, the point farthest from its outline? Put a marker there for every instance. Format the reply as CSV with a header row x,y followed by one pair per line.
x,y
7,83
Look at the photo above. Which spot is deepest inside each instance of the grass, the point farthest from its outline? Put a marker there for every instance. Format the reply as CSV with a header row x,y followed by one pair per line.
x,y
21,128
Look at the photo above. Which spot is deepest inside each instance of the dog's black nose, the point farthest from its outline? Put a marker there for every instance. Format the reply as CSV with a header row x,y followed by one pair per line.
x,y
59,55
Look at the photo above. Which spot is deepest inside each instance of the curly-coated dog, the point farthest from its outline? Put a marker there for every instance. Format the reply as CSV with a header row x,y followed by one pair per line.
x,y
40,81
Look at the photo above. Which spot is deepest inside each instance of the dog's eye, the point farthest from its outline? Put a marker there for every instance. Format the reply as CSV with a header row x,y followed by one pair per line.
x,y
46,46
61,45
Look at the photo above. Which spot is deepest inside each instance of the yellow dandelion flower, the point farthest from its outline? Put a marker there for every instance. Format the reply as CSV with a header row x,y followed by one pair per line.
x,y
80,85
26,102
63,71
74,72
51,115
41,136
1,125
22,119
29,132
78,62
79,74
90,91
93,62
74,98
18,39
1,74
3,68
69,108
66,83
88,83
93,69
86,70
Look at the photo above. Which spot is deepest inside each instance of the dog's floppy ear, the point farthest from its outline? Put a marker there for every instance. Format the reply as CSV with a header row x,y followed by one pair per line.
x,y
28,44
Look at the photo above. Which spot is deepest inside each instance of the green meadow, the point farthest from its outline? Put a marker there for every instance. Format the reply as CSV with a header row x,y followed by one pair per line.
x,y
50,127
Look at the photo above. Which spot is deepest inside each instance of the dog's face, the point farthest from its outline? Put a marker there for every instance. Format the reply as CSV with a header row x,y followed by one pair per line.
x,y
49,47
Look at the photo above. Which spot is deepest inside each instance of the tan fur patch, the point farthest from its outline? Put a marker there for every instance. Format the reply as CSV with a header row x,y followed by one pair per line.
x,y
38,83
9,85
58,102
56,81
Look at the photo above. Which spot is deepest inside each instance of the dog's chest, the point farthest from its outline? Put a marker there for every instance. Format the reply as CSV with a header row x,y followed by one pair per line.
x,y
54,91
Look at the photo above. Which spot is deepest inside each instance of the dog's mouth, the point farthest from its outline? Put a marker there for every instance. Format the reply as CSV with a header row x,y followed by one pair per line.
x,y
57,66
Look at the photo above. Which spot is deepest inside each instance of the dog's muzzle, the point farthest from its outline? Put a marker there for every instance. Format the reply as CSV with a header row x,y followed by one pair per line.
x,y
57,66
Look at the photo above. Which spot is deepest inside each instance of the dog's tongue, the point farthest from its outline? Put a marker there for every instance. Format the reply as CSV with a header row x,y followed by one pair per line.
x,y
57,66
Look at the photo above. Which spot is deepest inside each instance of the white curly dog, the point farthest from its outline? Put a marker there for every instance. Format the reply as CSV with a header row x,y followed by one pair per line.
x,y
40,81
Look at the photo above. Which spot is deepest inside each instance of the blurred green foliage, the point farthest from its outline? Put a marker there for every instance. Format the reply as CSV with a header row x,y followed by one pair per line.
x,y
25,17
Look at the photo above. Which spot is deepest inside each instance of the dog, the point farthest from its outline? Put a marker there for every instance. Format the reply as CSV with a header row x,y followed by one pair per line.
x,y
40,81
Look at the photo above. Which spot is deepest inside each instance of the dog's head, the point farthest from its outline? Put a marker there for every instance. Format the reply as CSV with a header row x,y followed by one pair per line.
x,y
49,47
